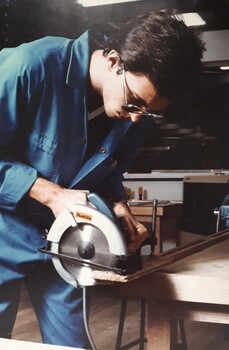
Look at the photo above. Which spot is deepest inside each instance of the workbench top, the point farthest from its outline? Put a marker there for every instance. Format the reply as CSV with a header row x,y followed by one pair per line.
x,y
10,344
213,262
199,277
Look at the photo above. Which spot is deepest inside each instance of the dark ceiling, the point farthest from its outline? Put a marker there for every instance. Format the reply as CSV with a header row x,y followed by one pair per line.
x,y
107,18
214,12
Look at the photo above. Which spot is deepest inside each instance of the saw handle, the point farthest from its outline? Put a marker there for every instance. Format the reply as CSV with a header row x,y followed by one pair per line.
x,y
101,205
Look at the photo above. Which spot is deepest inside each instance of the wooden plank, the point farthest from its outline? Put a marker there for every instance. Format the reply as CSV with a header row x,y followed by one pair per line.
x,y
155,263
199,278
212,262
173,286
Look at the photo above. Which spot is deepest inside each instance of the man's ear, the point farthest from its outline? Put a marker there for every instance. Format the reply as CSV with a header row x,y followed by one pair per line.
x,y
113,60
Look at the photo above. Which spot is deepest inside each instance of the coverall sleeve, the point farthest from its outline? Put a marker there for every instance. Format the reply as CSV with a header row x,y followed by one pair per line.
x,y
15,177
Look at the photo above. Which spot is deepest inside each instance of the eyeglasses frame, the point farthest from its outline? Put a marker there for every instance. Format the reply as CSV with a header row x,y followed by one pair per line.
x,y
132,108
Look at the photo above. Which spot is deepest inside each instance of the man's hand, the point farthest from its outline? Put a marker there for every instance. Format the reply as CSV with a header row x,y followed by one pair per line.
x,y
56,197
137,232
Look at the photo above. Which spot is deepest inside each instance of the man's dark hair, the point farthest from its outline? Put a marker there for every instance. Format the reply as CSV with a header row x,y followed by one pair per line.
x,y
162,47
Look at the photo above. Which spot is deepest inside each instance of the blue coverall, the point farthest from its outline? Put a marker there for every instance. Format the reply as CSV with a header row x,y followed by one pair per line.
x,y
43,133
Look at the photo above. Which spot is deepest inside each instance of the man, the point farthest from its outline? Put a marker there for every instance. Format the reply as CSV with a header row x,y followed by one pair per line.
x,y
52,156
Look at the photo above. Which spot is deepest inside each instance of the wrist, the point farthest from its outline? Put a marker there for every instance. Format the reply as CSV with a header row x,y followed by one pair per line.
x,y
44,191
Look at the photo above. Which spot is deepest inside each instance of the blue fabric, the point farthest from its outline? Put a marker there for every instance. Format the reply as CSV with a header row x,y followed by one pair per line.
x,y
58,307
43,132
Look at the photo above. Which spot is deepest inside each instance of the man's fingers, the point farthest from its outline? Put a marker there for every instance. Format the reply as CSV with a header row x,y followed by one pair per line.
x,y
141,234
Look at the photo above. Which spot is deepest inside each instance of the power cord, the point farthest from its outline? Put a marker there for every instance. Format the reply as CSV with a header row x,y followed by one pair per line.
x,y
85,317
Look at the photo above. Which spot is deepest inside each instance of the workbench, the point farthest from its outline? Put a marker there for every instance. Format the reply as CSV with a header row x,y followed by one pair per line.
x,y
168,221
194,288
10,344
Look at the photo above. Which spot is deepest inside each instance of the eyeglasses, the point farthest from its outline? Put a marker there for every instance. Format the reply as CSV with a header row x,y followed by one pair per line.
x,y
132,108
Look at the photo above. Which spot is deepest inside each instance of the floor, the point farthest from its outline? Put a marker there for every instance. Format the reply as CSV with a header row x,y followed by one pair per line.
x,y
104,317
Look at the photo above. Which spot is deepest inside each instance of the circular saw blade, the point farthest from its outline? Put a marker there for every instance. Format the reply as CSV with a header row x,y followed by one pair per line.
x,y
88,243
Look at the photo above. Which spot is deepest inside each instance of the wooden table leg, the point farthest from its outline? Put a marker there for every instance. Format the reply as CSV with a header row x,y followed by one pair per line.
x,y
161,333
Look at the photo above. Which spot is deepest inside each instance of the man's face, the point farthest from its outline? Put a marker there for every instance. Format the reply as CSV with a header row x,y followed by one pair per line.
x,y
139,91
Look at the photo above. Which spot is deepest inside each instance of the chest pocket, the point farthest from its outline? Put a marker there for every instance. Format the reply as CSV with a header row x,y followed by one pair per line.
x,y
56,161
44,154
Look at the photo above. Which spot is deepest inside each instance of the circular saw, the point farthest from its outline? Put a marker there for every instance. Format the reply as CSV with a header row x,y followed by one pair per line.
x,y
85,238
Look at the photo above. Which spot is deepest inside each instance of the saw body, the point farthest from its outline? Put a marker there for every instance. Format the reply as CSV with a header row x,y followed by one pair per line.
x,y
83,239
